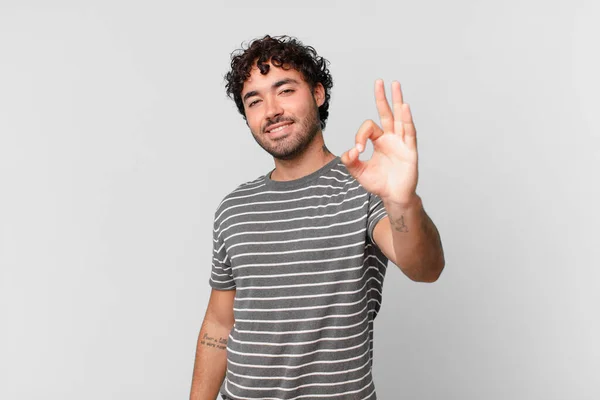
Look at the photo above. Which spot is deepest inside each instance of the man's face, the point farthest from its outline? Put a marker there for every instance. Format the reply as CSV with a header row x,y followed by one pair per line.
x,y
282,111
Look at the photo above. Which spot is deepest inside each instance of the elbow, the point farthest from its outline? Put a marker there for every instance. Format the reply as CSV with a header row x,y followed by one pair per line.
x,y
428,273
431,278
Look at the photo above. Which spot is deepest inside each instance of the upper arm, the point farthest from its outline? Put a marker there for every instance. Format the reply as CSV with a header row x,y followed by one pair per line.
x,y
382,236
220,307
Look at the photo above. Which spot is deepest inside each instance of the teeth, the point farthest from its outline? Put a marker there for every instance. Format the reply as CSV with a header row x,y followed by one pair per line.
x,y
278,129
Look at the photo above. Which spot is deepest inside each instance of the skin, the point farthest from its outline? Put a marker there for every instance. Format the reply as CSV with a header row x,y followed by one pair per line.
x,y
211,354
407,236
267,100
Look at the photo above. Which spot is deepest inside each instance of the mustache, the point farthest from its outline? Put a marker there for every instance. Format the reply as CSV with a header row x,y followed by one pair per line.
x,y
276,121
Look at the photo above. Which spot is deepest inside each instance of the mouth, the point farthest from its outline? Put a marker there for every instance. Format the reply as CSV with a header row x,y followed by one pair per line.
x,y
279,130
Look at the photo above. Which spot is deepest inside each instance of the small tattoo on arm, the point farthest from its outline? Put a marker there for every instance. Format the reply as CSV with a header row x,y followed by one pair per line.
x,y
213,342
399,225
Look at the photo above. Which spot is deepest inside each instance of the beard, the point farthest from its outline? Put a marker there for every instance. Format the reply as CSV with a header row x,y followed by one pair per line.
x,y
291,146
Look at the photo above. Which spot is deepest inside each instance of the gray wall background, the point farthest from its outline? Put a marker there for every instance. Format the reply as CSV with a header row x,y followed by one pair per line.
x,y
117,143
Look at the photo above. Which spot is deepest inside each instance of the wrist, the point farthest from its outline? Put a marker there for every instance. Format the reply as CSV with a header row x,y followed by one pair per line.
x,y
405,203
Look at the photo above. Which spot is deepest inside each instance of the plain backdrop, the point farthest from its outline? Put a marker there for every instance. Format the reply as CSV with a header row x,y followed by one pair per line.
x,y
117,142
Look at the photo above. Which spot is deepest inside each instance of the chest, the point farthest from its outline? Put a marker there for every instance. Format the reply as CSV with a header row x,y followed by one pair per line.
x,y
308,241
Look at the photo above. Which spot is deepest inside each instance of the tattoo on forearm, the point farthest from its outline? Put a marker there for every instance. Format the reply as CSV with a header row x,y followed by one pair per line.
x,y
399,224
209,341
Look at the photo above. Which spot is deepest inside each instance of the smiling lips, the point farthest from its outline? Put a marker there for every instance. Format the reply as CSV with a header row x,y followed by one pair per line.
x,y
278,129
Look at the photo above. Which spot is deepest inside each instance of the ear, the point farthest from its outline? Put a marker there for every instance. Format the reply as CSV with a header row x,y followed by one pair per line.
x,y
319,94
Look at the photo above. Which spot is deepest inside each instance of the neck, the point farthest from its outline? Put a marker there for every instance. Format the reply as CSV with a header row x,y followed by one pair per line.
x,y
312,159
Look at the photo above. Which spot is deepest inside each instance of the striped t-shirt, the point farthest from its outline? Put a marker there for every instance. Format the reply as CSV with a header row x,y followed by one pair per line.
x,y
308,279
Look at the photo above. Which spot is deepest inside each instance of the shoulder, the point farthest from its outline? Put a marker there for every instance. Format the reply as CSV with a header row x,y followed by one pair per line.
x,y
339,171
239,196
336,174
339,177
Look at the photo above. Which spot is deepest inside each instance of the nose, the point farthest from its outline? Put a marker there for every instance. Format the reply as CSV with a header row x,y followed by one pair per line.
x,y
273,109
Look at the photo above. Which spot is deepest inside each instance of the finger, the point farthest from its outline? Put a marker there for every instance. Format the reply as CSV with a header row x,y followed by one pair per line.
x,y
368,130
385,112
353,164
410,132
397,102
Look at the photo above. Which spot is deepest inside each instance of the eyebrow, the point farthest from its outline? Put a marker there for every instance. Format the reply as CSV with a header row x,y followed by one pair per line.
x,y
274,86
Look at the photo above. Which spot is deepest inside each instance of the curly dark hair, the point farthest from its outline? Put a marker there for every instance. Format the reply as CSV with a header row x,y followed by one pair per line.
x,y
284,52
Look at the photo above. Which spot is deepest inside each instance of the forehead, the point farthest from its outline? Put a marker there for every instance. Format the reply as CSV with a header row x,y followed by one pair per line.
x,y
259,82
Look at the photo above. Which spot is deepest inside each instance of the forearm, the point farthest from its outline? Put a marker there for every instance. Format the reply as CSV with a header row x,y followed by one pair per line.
x,y
416,241
211,361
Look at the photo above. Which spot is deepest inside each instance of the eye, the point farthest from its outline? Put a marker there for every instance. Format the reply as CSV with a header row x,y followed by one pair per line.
x,y
287,91
253,102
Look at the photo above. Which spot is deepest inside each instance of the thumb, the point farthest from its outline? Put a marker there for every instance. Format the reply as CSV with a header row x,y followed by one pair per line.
x,y
354,165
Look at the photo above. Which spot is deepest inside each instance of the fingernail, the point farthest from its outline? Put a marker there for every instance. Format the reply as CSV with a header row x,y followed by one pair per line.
x,y
359,147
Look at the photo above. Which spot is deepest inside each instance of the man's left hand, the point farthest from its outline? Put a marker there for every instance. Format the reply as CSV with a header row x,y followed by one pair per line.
x,y
392,172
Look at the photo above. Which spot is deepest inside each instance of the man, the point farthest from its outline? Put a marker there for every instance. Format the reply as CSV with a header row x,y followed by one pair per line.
x,y
300,253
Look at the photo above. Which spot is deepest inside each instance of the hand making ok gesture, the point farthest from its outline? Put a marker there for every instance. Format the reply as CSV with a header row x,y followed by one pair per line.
x,y
392,172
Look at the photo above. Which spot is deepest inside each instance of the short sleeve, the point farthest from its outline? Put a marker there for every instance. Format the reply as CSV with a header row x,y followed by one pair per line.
x,y
375,214
221,277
